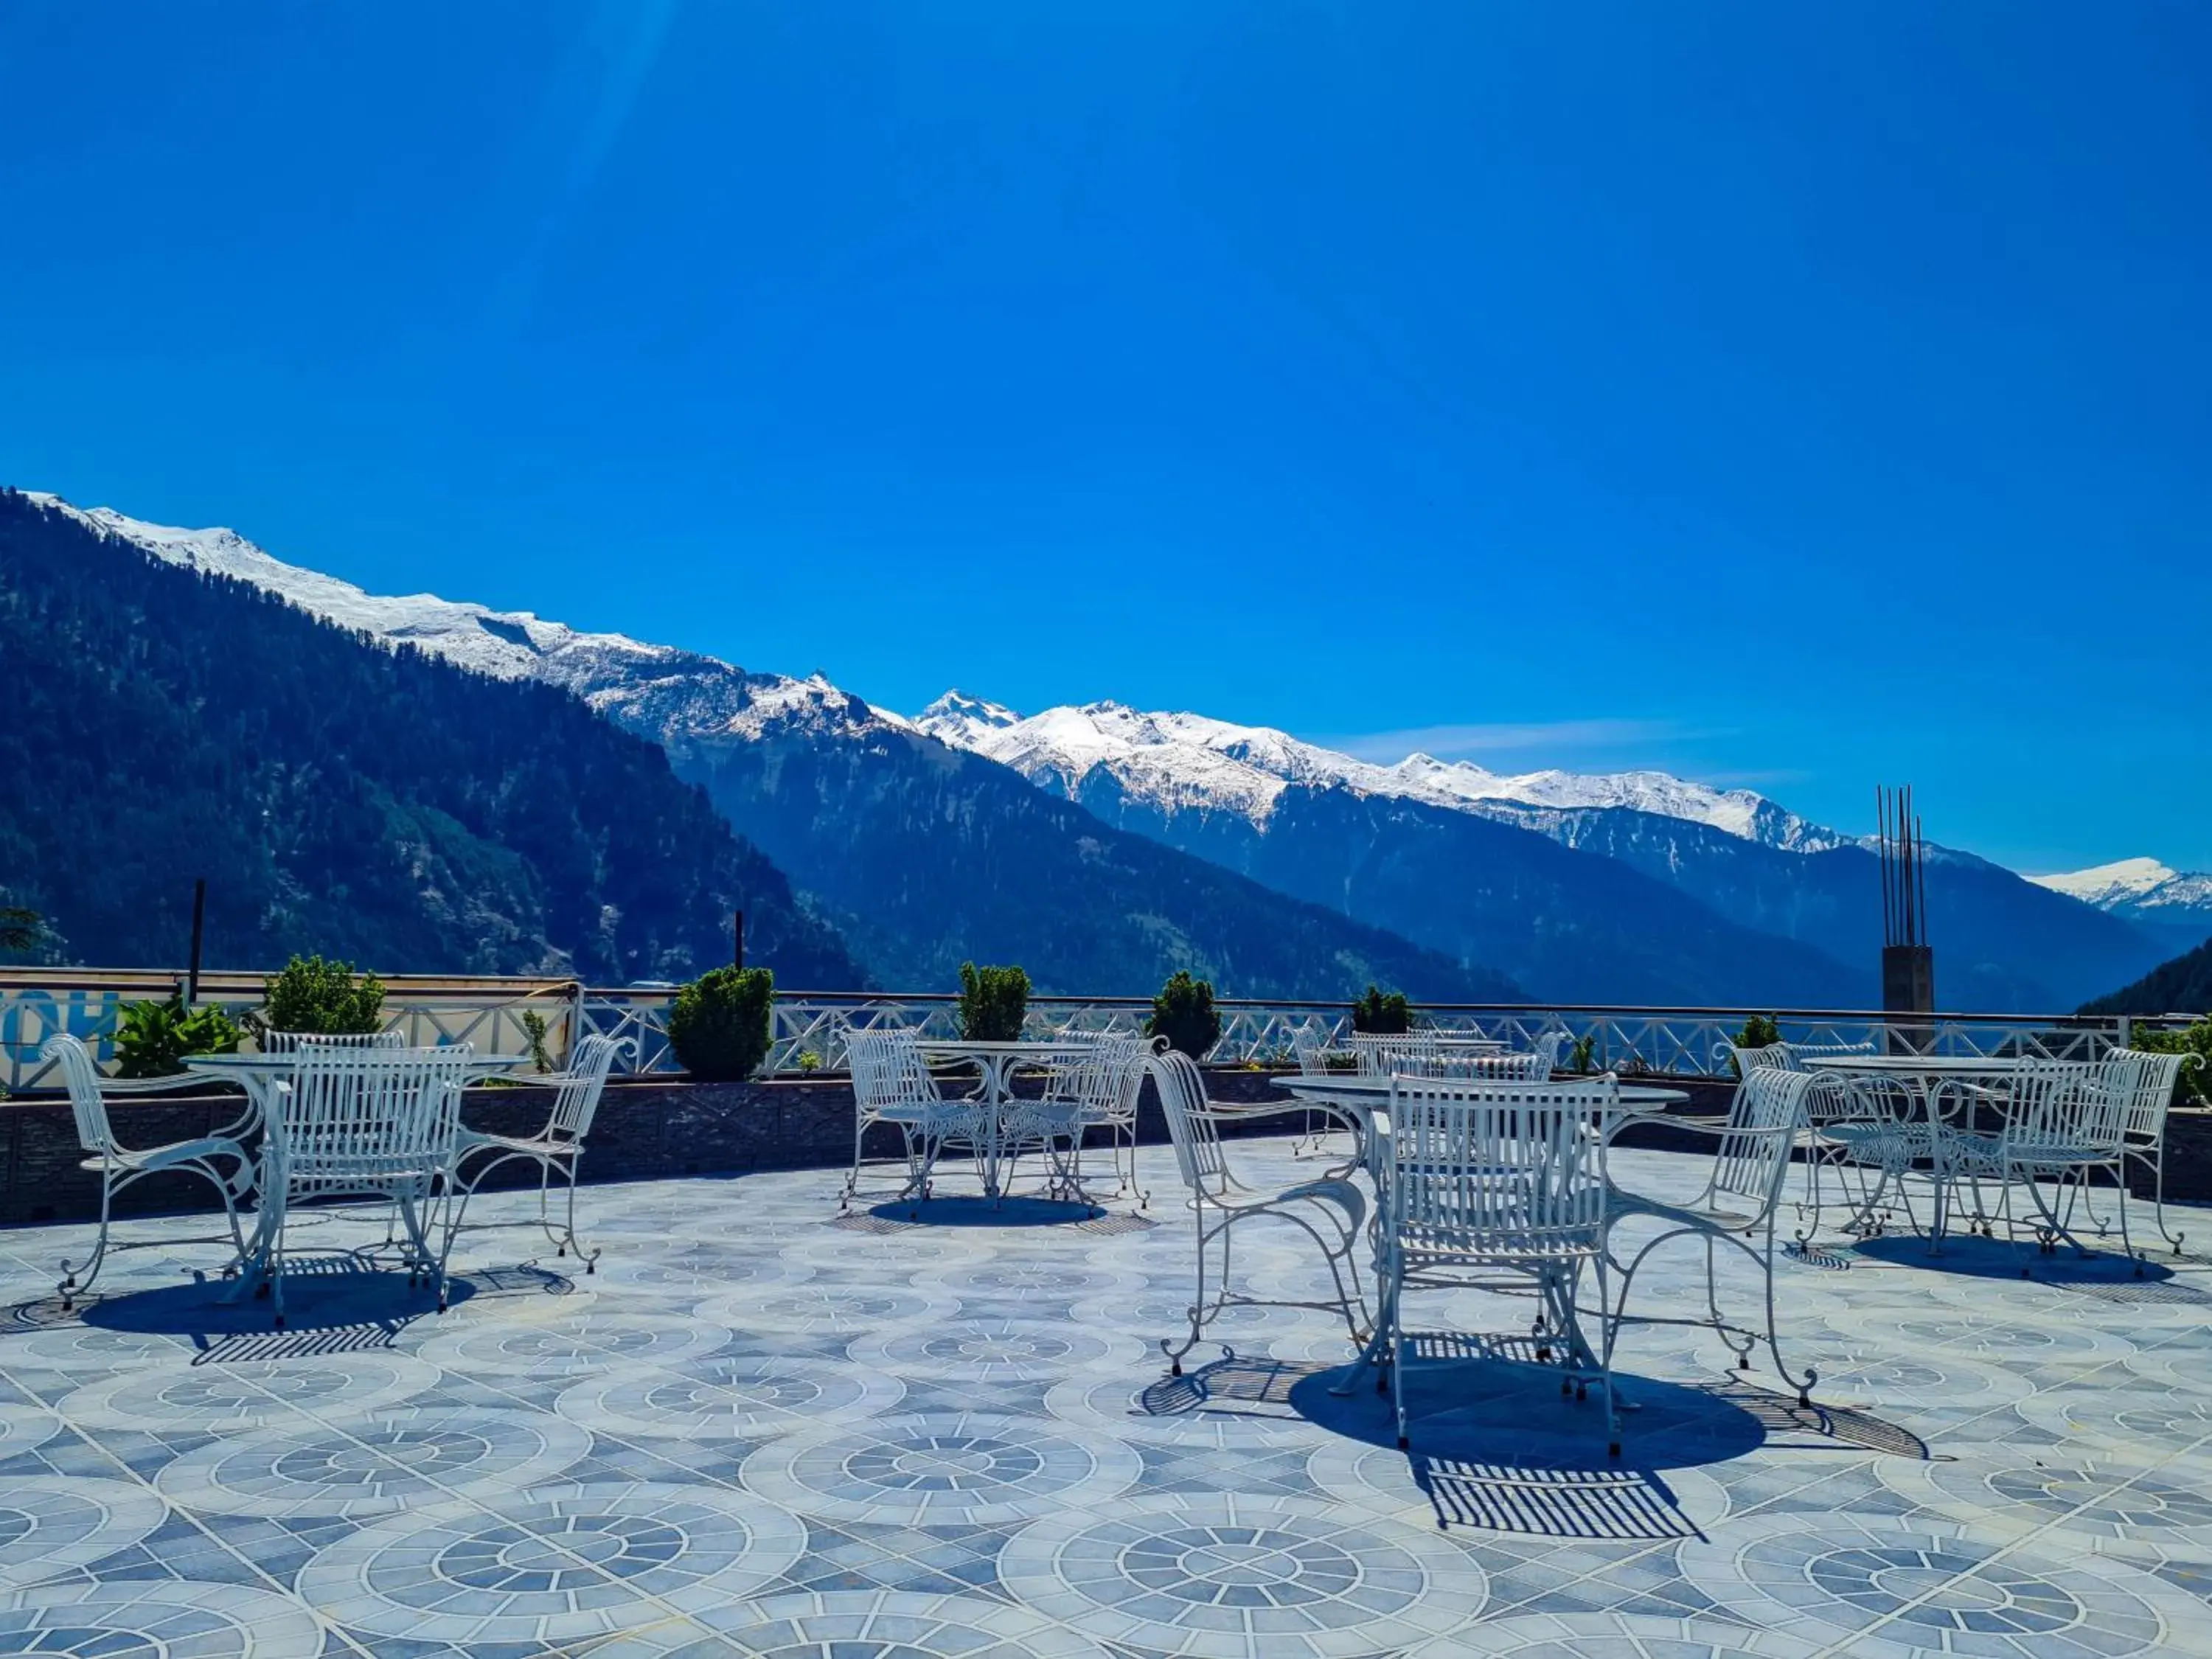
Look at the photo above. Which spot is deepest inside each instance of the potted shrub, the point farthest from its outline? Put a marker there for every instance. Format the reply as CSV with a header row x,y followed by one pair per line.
x,y
993,1002
324,997
1760,1031
154,1037
1184,1014
1378,1015
718,1025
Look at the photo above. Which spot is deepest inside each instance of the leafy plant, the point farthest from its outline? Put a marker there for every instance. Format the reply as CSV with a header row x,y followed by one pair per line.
x,y
718,1025
154,1037
533,1031
1183,1013
1760,1031
1378,1015
993,1002
809,1061
314,995
2194,1087
1583,1057
20,929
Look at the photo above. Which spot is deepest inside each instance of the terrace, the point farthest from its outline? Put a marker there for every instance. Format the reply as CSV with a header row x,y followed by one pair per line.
x,y
760,1427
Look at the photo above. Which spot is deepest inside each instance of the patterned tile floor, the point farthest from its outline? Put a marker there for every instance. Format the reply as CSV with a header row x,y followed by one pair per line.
x,y
758,1429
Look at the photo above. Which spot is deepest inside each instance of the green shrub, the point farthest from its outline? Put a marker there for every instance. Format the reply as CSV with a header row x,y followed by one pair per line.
x,y
154,1037
1583,1057
719,1026
2194,1087
1760,1031
323,997
1184,1014
1378,1015
533,1031
993,1002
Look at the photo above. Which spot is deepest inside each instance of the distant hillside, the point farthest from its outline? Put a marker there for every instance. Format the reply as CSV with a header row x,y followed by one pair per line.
x,y
927,854
2183,986
339,795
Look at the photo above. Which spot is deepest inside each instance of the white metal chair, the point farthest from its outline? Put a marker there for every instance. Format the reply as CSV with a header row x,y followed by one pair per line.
x,y
1098,1089
1500,1185
891,1084
363,1120
1533,1064
557,1149
1799,1053
293,1042
1330,1211
2151,1080
2064,1120
119,1166
1374,1056
1738,1207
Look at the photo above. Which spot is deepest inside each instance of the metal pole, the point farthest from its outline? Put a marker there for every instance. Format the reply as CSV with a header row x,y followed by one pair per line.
x,y
199,924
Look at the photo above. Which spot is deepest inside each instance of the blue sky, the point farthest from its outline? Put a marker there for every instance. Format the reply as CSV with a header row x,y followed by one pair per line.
x,y
1807,397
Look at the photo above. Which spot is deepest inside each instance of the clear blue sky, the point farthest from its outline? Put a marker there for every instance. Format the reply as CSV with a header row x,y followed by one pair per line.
x,y
1808,396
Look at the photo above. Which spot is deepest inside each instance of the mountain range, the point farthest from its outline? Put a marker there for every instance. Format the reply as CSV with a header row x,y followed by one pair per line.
x,y
1104,846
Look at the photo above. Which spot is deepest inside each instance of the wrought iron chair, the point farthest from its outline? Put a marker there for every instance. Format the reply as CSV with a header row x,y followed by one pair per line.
x,y
1098,1089
119,1167
2064,1120
1330,1211
2151,1080
1500,1185
1738,1207
363,1120
891,1084
293,1042
557,1149
1533,1064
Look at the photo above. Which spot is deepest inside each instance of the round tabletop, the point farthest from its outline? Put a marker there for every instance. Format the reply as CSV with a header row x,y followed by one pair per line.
x,y
1375,1090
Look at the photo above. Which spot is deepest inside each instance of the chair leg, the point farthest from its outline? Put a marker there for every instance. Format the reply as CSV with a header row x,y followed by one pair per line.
x,y
75,1280
2159,1199
1174,1352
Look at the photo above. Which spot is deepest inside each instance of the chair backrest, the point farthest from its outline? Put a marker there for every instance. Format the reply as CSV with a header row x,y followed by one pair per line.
x,y
87,1104
369,1112
1752,1159
1748,1061
1492,1165
1310,1048
2150,1080
1199,1154
1376,1055
1799,1053
889,1072
1103,1079
293,1042
575,1107
2079,1105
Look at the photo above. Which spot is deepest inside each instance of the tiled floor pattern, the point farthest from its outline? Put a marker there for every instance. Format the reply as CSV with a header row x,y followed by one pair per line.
x,y
757,1430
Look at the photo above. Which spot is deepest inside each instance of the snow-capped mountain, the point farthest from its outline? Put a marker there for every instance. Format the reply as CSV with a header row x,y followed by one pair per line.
x,y
1180,760
673,696
2142,888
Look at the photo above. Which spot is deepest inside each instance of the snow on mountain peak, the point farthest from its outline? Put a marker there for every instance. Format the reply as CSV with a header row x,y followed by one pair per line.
x,y
671,695
2143,887
1187,760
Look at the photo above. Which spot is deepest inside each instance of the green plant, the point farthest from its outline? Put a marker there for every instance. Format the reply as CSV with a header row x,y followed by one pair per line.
x,y
1184,1014
20,929
718,1025
153,1037
314,995
1378,1015
809,1061
993,1002
533,1032
1760,1031
2194,1087
1583,1057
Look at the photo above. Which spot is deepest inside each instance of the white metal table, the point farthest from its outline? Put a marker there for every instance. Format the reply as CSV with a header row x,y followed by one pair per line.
x,y
997,1063
1938,1087
260,1075
1363,1104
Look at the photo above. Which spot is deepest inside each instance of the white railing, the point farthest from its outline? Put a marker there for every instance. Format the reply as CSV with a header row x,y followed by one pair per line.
x,y
808,1029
